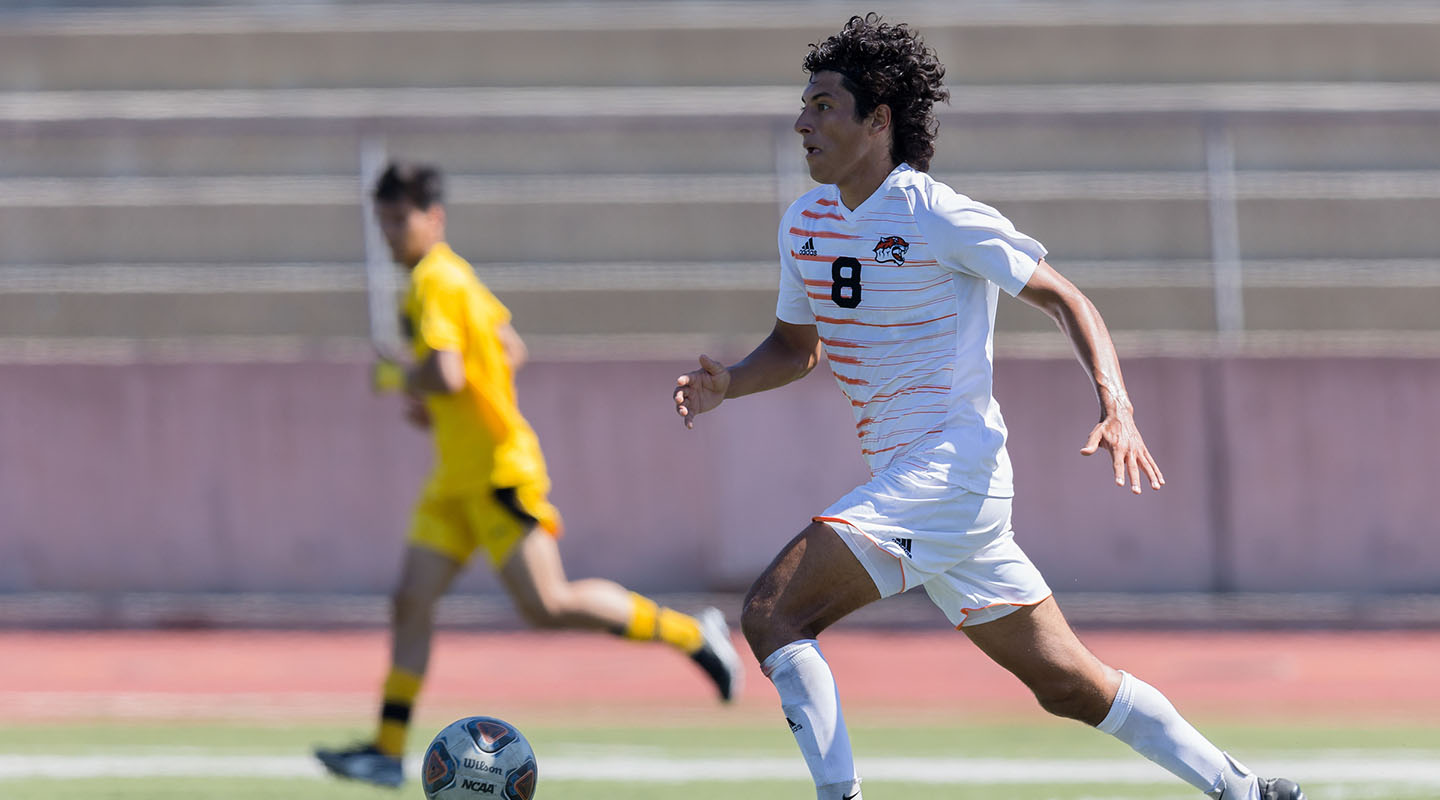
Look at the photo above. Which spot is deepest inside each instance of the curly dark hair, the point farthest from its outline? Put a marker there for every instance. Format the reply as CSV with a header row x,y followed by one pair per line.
x,y
890,65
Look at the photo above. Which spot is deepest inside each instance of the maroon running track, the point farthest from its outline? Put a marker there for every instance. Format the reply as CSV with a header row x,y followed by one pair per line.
x,y
1250,676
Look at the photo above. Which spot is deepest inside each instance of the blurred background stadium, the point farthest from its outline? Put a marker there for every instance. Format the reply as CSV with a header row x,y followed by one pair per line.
x,y
1249,191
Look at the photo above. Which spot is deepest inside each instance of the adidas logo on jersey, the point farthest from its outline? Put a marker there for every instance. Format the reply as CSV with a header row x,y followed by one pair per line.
x,y
904,544
808,249
794,726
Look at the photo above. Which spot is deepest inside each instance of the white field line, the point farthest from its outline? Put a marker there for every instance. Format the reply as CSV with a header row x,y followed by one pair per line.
x,y
1352,768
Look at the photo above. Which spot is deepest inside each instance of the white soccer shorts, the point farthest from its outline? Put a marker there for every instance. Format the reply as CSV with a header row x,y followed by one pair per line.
x,y
909,527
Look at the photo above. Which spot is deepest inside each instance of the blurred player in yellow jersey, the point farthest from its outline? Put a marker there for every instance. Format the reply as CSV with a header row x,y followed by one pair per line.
x,y
489,485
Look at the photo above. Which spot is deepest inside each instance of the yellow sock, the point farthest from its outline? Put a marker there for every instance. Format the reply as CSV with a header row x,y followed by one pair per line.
x,y
398,697
680,630
650,622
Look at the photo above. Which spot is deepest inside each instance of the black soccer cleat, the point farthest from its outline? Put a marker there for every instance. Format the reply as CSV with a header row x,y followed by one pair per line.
x,y
717,655
364,763
1280,789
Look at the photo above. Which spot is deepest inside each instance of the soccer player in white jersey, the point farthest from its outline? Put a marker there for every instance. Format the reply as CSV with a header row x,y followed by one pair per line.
x,y
893,278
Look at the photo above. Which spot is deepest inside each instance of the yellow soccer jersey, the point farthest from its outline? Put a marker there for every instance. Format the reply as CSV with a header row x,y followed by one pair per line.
x,y
481,440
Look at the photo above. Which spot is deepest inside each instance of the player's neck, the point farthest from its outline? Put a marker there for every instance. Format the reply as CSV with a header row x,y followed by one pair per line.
x,y
858,187
430,248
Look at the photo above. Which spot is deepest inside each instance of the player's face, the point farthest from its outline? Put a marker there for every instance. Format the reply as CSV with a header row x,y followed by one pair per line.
x,y
409,231
837,145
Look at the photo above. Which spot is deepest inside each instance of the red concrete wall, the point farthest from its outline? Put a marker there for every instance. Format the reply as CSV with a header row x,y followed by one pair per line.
x,y
1284,474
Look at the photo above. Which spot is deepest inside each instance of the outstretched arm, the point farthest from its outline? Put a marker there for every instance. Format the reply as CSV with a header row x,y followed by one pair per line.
x,y
1078,318
787,354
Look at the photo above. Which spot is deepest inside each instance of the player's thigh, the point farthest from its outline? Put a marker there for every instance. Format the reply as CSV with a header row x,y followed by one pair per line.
x,y
1037,645
533,574
425,576
814,582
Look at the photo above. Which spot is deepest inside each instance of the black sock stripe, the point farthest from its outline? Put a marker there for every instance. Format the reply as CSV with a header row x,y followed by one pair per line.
x,y
396,712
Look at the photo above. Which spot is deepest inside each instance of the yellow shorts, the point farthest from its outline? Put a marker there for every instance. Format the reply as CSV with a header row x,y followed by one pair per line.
x,y
456,525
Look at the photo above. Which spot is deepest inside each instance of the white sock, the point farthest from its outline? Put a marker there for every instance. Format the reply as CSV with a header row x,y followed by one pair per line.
x,y
812,707
1142,718
1238,782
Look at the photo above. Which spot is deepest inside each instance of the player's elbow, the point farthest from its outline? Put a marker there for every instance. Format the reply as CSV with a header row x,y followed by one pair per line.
x,y
452,383
450,372
1056,296
1054,301
454,387
518,357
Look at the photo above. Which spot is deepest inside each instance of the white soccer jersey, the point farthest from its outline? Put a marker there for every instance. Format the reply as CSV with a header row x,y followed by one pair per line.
x,y
903,291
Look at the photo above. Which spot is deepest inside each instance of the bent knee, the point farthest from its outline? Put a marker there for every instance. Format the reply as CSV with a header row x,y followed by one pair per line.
x,y
767,628
543,618
549,612
1073,698
755,617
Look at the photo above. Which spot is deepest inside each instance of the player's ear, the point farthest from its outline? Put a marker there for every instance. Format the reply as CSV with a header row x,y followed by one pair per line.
x,y
880,118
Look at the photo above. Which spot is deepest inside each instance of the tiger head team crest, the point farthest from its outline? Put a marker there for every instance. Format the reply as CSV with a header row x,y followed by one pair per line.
x,y
891,250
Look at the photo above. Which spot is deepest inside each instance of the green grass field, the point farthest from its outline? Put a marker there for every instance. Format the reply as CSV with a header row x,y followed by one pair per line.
x,y
229,761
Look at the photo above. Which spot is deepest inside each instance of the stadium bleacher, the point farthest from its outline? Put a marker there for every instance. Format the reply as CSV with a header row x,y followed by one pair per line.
x,y
192,174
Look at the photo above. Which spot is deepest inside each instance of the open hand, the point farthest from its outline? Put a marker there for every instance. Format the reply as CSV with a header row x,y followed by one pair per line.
x,y
1117,434
700,390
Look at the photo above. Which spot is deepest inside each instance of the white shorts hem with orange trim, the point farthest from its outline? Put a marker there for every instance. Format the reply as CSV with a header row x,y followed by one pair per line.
x,y
910,528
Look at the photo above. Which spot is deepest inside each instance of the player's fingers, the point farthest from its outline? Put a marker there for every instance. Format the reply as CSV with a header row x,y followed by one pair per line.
x,y
1092,444
711,365
1133,462
1117,459
1153,471
684,380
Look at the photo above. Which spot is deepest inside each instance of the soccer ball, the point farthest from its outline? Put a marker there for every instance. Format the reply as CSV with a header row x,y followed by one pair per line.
x,y
479,757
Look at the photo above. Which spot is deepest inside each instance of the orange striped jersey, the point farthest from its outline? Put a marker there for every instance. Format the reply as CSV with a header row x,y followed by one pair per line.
x,y
902,291
481,440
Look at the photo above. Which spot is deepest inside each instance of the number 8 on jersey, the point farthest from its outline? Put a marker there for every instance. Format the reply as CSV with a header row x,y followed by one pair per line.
x,y
842,281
